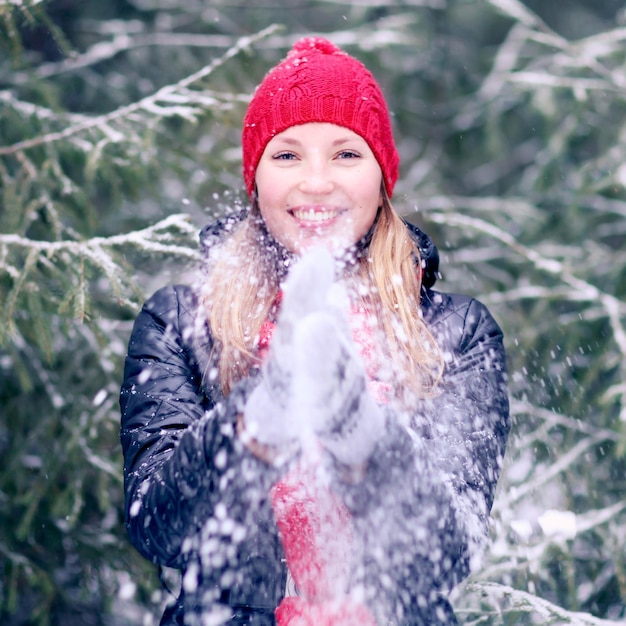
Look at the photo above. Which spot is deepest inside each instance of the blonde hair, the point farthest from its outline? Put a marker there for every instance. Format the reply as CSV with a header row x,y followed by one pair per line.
x,y
243,282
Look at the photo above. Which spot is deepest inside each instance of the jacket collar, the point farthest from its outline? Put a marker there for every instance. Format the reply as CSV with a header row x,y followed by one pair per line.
x,y
428,253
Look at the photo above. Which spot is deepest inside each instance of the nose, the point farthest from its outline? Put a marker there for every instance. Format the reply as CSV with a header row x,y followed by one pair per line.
x,y
316,178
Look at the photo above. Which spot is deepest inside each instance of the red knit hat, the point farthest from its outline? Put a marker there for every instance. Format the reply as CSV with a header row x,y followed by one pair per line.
x,y
318,82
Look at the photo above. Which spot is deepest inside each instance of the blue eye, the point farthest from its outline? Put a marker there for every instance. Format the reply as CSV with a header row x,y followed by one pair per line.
x,y
284,156
348,154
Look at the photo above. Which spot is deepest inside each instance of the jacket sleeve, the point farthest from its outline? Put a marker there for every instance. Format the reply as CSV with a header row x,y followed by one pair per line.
x,y
425,500
468,423
178,444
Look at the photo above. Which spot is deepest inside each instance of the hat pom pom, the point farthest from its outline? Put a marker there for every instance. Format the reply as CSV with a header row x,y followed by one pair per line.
x,y
314,44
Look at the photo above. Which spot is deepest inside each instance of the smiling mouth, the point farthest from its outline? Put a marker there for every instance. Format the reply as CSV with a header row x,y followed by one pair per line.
x,y
315,216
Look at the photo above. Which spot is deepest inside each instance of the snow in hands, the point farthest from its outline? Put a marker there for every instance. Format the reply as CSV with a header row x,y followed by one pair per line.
x,y
330,393
313,384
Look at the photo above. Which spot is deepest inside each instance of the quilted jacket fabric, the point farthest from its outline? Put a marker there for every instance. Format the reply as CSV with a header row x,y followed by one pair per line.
x,y
198,500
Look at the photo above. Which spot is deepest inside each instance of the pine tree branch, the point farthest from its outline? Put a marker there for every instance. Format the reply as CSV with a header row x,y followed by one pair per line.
x,y
508,62
529,603
521,14
603,44
547,473
19,3
520,407
539,292
99,461
28,109
121,42
149,103
576,84
151,239
154,239
43,374
587,291
592,519
430,4
9,308
485,204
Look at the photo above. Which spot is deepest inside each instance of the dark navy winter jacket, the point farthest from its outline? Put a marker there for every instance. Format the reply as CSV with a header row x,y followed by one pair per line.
x,y
197,499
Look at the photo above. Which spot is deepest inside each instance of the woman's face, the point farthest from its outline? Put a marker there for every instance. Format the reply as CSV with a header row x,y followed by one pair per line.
x,y
318,184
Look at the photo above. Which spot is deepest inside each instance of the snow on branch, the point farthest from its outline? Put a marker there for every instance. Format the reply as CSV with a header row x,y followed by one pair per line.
x,y
582,66
603,44
554,529
154,238
486,204
565,461
533,292
122,42
165,102
525,16
552,418
592,519
545,79
19,3
506,599
28,109
98,251
431,4
587,291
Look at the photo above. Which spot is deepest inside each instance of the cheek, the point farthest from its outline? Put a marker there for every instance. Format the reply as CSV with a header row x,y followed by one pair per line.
x,y
370,204
370,187
276,220
371,197
267,203
364,224
269,216
264,185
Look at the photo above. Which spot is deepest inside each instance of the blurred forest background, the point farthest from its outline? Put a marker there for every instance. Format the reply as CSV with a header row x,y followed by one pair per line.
x,y
119,138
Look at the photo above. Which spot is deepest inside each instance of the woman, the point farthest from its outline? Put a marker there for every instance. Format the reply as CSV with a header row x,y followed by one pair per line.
x,y
314,436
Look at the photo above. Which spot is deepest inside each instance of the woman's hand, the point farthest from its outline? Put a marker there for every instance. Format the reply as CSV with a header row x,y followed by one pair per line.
x,y
307,290
313,383
330,390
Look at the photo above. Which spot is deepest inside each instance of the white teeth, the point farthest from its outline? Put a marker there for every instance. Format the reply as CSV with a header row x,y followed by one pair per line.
x,y
309,215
